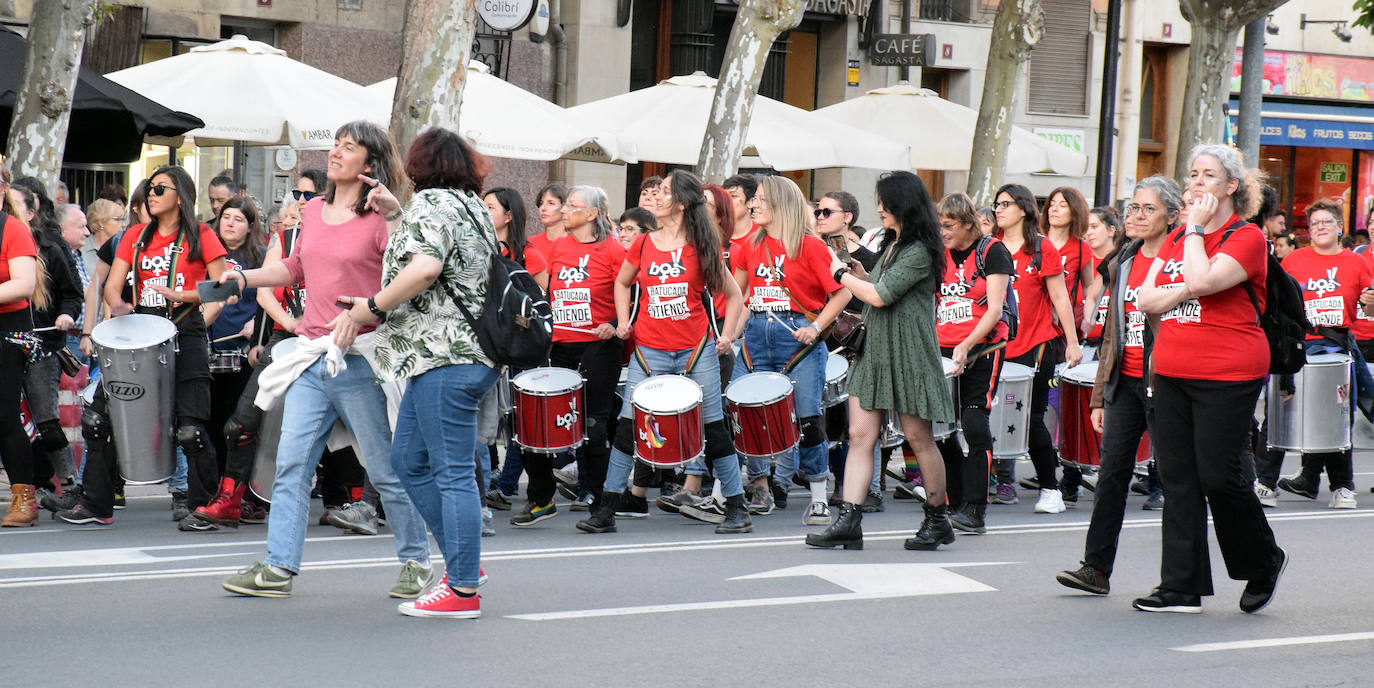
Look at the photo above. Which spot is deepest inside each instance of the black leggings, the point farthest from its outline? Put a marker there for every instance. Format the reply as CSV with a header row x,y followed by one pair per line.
x,y
15,449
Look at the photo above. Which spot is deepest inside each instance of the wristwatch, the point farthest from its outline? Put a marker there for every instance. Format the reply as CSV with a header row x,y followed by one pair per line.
x,y
372,306
1197,229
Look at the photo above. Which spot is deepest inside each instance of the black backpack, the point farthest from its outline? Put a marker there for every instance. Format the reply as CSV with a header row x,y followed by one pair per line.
x,y
1284,318
1010,312
515,327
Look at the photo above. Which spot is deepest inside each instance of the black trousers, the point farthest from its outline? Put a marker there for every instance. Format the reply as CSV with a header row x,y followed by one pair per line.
x,y
1044,456
966,477
1201,428
1123,424
599,364
226,393
15,450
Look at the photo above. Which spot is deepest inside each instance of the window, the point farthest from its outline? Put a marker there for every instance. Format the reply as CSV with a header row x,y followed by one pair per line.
x,y
1059,62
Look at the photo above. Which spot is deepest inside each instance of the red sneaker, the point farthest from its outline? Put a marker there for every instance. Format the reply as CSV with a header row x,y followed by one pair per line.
x,y
481,578
442,602
225,507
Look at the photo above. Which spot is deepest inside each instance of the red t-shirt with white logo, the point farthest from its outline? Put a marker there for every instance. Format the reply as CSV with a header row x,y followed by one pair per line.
x,y
155,259
1214,337
671,314
963,297
1133,339
17,243
808,277
1035,313
1330,284
582,286
1363,326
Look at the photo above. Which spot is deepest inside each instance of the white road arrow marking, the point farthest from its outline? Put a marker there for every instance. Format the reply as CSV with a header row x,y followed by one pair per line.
x,y
864,581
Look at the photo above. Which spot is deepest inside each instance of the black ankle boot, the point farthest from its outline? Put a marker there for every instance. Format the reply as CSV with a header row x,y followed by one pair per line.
x,y
969,518
736,517
935,530
602,519
845,531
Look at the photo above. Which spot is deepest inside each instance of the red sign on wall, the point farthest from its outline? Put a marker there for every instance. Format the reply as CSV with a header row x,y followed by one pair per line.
x,y
1303,75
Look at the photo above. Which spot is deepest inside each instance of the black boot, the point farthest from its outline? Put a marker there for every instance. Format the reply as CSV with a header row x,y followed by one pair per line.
x,y
602,519
935,530
846,531
736,517
969,518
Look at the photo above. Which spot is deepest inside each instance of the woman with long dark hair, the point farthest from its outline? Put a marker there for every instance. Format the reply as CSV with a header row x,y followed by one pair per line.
x,y
674,266
899,370
338,253
1064,221
1039,342
18,279
166,258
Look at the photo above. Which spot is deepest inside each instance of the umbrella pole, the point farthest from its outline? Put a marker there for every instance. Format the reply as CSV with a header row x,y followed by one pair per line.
x,y
171,155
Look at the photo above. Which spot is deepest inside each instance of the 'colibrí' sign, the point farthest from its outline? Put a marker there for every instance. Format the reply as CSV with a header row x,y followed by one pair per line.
x,y
902,50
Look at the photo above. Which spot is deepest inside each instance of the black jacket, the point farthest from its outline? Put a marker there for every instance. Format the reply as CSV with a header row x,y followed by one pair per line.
x,y
65,294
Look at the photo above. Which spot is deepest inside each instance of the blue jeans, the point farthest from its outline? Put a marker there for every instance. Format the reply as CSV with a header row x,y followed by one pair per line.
x,y
769,347
433,454
312,404
706,373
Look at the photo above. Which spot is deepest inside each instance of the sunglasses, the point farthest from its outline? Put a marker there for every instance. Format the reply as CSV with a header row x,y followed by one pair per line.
x,y
824,213
302,195
160,189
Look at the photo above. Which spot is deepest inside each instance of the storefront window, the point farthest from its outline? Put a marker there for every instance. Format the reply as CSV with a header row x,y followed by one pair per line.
x,y
1320,173
1365,197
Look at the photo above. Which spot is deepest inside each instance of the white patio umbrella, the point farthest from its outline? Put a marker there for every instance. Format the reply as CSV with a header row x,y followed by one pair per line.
x,y
940,133
667,122
250,92
506,121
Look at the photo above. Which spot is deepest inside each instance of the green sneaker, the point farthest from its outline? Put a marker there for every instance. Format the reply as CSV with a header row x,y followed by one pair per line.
x,y
415,578
258,580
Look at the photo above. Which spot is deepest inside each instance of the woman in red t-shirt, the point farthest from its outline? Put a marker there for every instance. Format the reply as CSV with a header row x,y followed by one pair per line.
x,y
508,219
1103,237
18,277
551,200
166,257
1209,362
1332,279
582,271
1039,344
1064,221
673,334
1119,395
783,270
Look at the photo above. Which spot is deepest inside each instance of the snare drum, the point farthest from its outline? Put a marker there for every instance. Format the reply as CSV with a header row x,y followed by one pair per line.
x,y
836,381
943,431
893,436
1316,417
763,416
231,361
667,421
1009,417
548,410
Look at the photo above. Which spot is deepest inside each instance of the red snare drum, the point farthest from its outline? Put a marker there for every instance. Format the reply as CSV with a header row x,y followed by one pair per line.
x,y
548,410
668,428
1079,443
763,416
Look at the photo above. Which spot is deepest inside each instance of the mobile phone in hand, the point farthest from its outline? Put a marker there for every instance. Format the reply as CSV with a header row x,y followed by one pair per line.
x,y
211,291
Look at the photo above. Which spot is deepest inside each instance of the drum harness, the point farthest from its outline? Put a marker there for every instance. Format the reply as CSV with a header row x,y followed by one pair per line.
x,y
176,250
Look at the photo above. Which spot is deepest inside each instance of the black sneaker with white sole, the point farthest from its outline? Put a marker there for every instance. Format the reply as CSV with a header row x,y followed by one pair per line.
x,y
1169,601
1260,592
705,509
631,506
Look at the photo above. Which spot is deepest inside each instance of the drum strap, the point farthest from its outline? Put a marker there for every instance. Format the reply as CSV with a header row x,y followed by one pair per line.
x,y
177,249
691,360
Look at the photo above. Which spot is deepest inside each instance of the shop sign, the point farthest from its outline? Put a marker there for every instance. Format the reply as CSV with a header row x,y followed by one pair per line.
x,y
902,50
843,7
1304,75
1069,138
853,73
1334,173
505,15
1281,131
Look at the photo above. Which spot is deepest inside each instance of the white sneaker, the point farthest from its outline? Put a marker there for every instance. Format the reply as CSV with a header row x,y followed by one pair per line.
x,y
817,514
1342,498
1267,497
1051,502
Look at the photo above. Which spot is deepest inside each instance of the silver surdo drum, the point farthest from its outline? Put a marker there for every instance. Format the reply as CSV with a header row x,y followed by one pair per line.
x,y
1316,417
836,381
269,436
943,431
1009,418
138,373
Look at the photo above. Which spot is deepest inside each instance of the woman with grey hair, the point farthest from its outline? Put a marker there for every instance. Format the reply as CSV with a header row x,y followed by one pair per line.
x,y
1209,360
582,269
1119,393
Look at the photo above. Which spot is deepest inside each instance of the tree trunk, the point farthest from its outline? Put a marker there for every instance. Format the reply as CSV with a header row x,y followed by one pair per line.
x,y
434,68
757,24
43,108
1016,28
1215,27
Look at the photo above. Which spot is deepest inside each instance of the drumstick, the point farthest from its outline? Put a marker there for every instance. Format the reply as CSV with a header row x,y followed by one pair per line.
x,y
779,321
574,329
45,329
225,339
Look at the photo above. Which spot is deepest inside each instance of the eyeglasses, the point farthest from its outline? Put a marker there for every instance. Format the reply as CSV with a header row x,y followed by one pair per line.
x,y
160,189
570,208
1322,223
1000,205
824,213
302,195
1143,210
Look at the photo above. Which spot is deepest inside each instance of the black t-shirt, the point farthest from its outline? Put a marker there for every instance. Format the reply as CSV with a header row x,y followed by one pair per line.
x,y
997,261
106,254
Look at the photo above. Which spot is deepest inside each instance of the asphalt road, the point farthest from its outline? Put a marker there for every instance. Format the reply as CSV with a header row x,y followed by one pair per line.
x,y
667,602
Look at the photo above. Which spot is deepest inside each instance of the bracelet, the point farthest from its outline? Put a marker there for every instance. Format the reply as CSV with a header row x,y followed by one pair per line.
x,y
839,272
816,326
392,218
372,306
84,334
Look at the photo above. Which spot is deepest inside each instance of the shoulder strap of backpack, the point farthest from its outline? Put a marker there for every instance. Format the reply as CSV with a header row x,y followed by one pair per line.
x,y
1249,290
980,255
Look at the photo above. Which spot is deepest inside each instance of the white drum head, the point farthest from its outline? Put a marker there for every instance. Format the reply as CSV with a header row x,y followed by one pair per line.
x,y
1016,372
667,394
133,331
949,366
836,367
756,389
1328,360
1084,374
545,381
285,347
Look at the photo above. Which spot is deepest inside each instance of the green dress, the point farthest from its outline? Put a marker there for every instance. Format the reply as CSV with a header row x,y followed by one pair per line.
x,y
900,367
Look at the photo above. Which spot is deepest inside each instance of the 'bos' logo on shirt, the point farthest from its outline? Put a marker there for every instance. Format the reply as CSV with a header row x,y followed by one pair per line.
x,y
668,270
1323,286
577,273
774,273
1174,269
